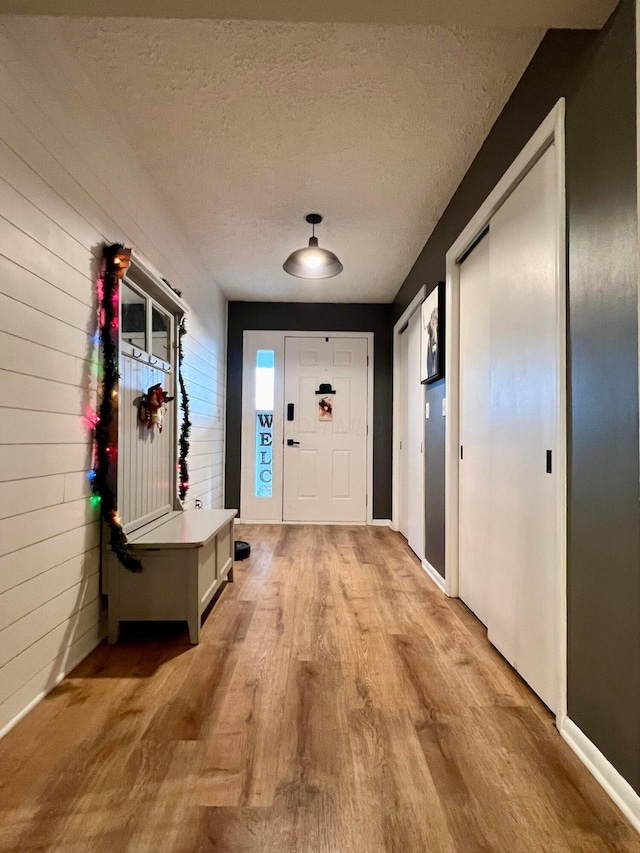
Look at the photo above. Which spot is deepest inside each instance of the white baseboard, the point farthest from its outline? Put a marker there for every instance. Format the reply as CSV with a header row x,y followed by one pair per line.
x,y
83,647
435,576
255,521
620,791
381,522
279,521
314,523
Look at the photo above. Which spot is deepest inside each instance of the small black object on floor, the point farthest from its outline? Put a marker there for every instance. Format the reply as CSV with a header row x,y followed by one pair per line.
x,y
241,550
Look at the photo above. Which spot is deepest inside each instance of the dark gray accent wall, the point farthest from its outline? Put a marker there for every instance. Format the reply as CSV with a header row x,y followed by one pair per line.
x,y
315,317
604,529
595,72
434,477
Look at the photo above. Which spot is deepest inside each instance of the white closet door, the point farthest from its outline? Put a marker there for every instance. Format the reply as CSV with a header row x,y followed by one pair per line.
x,y
522,618
475,430
415,439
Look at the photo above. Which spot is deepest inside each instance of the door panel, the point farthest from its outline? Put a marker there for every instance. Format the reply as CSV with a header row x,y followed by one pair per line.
x,y
524,412
415,439
325,476
304,400
474,556
342,419
342,465
308,475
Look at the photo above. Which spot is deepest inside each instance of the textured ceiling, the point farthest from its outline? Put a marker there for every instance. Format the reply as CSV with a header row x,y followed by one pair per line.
x,y
585,14
247,126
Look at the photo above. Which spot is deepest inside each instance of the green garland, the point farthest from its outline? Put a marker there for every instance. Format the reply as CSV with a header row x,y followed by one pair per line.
x,y
115,258
115,263
185,428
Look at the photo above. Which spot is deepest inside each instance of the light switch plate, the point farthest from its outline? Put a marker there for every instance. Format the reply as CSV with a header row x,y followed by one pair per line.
x,y
426,410
444,407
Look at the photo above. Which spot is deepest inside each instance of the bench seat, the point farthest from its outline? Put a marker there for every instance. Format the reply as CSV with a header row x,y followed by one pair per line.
x,y
186,557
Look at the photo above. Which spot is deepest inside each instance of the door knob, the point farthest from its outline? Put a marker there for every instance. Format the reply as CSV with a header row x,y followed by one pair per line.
x,y
292,443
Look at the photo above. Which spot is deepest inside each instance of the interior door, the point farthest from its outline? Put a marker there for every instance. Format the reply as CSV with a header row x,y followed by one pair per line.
x,y
415,439
325,434
474,557
524,422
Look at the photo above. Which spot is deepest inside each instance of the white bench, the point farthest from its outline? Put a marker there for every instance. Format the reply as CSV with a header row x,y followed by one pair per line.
x,y
186,557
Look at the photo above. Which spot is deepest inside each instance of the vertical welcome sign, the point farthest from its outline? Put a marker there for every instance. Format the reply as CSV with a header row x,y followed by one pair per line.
x,y
265,387
264,454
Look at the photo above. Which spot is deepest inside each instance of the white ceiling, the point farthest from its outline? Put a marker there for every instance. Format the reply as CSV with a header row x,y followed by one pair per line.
x,y
247,126
584,14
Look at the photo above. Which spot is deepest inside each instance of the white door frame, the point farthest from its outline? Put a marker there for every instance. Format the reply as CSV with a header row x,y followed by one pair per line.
x,y
263,339
551,131
638,173
395,470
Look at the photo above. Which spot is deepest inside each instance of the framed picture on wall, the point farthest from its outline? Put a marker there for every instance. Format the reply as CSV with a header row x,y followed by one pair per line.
x,y
432,336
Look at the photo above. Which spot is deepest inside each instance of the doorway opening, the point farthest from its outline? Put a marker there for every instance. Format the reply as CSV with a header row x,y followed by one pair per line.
x,y
409,430
307,407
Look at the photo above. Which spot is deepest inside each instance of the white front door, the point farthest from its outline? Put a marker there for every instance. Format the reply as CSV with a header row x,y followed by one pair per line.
x,y
325,434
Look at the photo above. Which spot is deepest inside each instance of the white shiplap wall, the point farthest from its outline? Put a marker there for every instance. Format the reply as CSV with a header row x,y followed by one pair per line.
x,y
67,184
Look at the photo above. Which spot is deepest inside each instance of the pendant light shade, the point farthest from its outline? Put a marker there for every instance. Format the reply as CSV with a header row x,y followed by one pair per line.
x,y
312,261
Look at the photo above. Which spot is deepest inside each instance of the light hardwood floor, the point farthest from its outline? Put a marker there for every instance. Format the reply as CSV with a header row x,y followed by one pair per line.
x,y
338,703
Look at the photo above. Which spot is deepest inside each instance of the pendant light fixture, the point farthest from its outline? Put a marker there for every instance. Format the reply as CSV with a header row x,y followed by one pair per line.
x,y
312,261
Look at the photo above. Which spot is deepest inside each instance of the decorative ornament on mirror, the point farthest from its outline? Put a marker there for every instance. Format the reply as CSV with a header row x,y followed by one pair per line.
x,y
152,407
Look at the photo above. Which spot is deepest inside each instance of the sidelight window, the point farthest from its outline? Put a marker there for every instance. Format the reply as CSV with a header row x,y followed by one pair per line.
x,y
264,403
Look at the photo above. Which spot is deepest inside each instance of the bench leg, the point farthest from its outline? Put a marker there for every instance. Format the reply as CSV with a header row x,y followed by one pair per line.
x,y
194,629
193,600
113,634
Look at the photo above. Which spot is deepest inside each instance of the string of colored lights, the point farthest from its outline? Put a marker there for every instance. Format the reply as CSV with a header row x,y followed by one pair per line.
x,y
116,261
185,428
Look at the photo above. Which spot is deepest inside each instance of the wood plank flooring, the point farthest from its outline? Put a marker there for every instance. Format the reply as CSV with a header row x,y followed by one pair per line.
x,y
337,703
